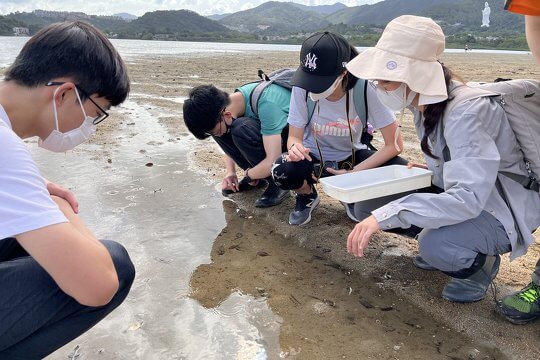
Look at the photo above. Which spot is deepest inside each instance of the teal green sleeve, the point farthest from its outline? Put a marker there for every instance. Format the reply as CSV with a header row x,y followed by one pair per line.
x,y
273,118
274,109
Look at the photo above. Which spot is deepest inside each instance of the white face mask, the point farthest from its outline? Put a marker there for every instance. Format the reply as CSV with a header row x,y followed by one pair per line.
x,y
396,100
327,92
61,142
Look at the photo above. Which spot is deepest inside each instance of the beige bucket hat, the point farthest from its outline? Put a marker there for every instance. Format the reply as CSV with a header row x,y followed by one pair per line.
x,y
407,52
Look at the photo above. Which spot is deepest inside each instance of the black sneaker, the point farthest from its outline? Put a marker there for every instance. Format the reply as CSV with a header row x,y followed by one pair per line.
x,y
272,196
243,185
305,204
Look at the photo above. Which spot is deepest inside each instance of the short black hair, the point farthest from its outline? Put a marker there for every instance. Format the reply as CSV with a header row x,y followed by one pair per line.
x,y
77,50
202,109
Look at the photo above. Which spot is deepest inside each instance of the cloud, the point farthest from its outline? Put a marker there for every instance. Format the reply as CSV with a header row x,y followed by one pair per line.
x,y
139,7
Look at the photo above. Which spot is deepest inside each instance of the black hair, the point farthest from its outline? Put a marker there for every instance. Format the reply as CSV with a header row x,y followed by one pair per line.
x,y
433,114
202,109
349,81
76,50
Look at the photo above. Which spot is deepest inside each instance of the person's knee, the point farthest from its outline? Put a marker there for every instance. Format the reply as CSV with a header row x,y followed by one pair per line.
x,y
290,175
244,127
122,263
431,249
442,249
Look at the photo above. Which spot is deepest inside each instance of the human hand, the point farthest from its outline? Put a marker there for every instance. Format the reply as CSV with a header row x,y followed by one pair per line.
x,y
63,193
336,172
411,164
230,182
298,152
359,238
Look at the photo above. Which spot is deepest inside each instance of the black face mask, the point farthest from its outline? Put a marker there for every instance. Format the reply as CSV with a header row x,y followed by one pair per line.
x,y
227,126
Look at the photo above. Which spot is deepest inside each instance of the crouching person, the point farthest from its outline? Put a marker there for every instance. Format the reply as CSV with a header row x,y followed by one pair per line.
x,y
250,141
57,279
481,213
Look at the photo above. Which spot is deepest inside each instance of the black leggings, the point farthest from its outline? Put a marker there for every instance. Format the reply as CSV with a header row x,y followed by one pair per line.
x,y
291,175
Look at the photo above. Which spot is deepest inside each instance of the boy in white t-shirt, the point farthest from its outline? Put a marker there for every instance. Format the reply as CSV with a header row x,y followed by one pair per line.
x,y
57,279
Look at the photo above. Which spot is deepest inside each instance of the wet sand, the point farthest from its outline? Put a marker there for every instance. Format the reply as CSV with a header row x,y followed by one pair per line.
x,y
331,305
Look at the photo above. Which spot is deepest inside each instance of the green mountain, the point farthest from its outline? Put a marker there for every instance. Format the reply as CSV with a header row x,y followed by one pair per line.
x,y
217,17
7,24
467,14
39,18
457,13
172,22
322,9
275,18
381,13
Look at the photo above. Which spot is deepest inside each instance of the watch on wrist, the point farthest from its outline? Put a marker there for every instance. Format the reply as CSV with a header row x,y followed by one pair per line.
x,y
246,176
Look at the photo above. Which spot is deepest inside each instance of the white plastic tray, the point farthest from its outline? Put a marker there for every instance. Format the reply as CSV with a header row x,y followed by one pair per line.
x,y
375,183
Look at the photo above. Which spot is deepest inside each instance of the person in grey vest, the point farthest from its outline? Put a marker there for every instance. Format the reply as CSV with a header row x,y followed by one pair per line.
x,y
480,213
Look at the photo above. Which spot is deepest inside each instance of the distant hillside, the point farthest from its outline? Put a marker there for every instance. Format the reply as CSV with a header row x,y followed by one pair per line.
x,y
381,13
461,13
322,9
275,18
7,24
217,17
126,16
468,14
172,22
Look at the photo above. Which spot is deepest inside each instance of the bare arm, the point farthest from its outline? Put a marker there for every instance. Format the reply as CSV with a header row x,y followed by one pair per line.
x,y
230,167
80,265
387,152
532,29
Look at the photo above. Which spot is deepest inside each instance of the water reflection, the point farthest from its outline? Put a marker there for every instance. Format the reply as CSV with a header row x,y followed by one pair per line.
x,y
155,212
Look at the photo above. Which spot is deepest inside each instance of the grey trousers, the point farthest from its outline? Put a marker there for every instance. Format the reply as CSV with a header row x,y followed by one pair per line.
x,y
455,247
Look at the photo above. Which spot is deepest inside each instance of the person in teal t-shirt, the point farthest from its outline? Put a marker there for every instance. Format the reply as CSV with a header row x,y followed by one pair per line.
x,y
251,141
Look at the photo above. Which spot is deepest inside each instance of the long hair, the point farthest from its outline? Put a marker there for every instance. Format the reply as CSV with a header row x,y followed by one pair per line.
x,y
349,80
433,114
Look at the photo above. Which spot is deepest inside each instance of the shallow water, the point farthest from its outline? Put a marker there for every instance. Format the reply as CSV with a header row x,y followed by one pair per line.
x,y
131,49
167,219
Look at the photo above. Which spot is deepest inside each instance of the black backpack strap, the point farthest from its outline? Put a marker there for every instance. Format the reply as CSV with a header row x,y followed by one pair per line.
x,y
361,107
525,181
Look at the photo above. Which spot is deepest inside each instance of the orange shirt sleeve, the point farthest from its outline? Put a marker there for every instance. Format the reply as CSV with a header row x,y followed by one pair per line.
x,y
525,7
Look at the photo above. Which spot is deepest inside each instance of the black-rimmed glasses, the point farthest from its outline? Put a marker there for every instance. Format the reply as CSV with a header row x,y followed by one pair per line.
x,y
103,114
221,119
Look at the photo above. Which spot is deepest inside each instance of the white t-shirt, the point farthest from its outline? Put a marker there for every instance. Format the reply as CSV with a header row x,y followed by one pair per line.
x,y
25,203
331,126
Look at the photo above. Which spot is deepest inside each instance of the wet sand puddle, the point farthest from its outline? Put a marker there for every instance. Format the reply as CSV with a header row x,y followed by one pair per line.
x,y
327,312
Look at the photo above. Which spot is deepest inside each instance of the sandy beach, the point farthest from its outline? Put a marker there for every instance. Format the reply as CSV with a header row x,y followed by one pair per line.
x,y
329,304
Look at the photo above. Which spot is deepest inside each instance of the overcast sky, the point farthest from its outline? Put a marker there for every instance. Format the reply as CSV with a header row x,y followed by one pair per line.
x,y
139,7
